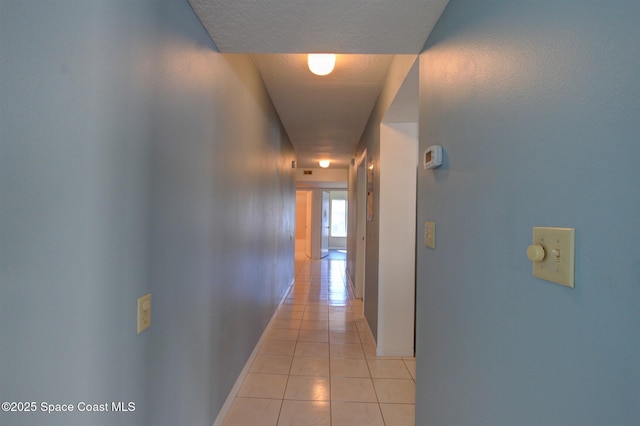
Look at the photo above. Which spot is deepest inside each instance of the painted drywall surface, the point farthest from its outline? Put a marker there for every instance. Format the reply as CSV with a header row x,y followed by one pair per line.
x,y
133,159
536,105
301,215
224,214
396,268
370,142
329,175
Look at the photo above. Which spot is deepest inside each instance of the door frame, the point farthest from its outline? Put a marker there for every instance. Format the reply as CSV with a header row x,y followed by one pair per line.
x,y
361,225
325,224
309,224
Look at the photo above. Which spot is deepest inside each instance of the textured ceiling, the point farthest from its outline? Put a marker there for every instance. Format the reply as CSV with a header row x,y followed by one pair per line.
x,y
324,116
302,26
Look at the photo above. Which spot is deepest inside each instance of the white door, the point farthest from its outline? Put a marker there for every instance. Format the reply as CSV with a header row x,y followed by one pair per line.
x,y
325,224
308,225
361,229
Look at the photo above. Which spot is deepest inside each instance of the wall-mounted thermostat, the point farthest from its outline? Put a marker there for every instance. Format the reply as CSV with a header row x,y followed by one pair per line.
x,y
433,157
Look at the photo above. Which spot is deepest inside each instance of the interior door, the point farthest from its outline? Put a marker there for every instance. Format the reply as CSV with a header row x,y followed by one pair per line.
x,y
324,252
361,229
308,225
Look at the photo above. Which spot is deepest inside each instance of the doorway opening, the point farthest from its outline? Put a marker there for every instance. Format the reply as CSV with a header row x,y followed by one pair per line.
x,y
387,224
321,222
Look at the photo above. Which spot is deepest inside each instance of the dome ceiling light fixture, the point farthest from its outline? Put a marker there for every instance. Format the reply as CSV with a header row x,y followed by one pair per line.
x,y
324,163
321,63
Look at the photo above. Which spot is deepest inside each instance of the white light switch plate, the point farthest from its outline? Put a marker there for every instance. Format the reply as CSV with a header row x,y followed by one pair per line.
x,y
430,234
144,312
558,265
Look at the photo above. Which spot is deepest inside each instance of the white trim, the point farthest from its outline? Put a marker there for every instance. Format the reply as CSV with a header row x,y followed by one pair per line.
x,y
352,284
247,366
373,338
385,355
360,254
362,160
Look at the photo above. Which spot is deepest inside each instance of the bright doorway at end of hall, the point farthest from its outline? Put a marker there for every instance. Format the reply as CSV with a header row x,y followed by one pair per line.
x,y
309,214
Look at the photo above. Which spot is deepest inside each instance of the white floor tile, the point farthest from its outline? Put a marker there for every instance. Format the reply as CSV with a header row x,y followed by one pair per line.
x,y
317,365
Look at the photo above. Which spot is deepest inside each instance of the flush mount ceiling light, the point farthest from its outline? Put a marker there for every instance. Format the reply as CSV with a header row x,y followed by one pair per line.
x,y
324,163
321,63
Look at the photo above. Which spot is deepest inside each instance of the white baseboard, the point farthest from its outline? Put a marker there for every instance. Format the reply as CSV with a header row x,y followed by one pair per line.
x,y
401,353
352,284
247,366
373,338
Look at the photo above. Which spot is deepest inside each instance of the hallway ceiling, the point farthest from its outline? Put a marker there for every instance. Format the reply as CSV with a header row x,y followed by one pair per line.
x,y
324,116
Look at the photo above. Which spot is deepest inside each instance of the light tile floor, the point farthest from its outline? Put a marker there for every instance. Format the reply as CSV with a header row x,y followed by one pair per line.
x,y
317,365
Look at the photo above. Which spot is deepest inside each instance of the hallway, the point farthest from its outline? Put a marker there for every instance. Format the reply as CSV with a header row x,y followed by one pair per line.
x,y
141,157
316,364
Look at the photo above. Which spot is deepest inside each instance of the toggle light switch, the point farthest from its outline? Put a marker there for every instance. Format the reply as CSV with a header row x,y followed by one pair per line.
x,y
430,234
553,255
144,312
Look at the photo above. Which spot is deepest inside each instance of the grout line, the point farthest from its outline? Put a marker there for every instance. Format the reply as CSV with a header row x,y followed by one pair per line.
x,y
309,278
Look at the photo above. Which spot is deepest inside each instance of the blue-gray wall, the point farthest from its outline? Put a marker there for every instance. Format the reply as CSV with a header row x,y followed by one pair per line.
x,y
537,106
134,158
